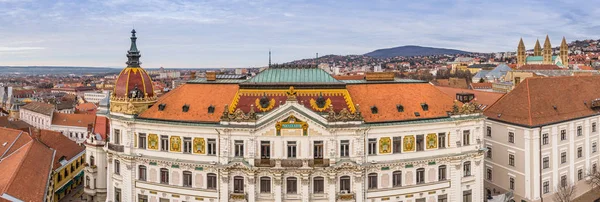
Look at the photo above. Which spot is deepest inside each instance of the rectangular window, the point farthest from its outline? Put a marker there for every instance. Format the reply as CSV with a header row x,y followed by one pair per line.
x,y
489,131
512,184
187,145
443,198
442,173
142,198
345,148
579,152
372,145
594,147
511,137
265,150
511,159
117,195
318,185
563,134
420,176
594,127
117,136
579,174
488,154
164,176
441,140
397,144
467,196
467,169
489,174
546,162
345,184
164,200
164,143
318,150
545,139
142,141
265,185
546,187
291,149
466,137
239,148
397,179
187,179
212,147
420,142
563,181
142,173
291,185
117,167
238,185
563,157
211,181
579,131
372,181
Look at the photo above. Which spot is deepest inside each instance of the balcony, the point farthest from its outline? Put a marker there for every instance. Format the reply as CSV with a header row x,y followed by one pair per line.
x,y
345,196
296,163
318,163
264,163
237,196
115,147
91,169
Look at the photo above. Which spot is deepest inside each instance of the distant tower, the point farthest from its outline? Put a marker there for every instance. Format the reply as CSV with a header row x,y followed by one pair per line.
x,y
547,51
521,53
564,52
269,57
537,50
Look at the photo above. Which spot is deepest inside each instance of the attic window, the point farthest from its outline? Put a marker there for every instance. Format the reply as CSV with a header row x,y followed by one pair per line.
x,y
185,108
161,107
400,108
211,109
424,106
417,114
374,110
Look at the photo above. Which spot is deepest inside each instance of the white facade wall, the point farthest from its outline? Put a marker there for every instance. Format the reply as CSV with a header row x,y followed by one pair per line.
x,y
35,119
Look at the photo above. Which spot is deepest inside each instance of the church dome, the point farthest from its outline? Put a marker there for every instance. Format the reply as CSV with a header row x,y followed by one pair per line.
x,y
133,81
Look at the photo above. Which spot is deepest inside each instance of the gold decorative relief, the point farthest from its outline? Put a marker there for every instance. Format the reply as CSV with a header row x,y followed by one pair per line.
x,y
385,145
199,145
409,143
292,123
315,106
153,141
431,141
175,144
267,107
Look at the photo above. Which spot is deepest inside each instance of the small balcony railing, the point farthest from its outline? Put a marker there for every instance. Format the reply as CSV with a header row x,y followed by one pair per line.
x,y
318,163
343,196
115,147
264,163
237,196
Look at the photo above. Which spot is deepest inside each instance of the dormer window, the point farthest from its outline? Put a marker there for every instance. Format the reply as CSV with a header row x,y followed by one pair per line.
x,y
321,100
465,97
211,109
424,106
161,107
400,108
185,108
417,114
374,110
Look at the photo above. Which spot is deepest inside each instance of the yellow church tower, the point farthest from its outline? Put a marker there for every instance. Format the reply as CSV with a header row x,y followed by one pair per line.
x,y
564,52
537,50
521,53
547,51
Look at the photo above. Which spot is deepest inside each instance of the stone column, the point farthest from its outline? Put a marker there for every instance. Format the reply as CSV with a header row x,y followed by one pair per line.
x,y
278,190
332,192
359,186
305,183
251,188
456,173
224,187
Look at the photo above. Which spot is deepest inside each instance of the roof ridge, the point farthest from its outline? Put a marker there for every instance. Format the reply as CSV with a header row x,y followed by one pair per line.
x,y
12,177
529,103
12,144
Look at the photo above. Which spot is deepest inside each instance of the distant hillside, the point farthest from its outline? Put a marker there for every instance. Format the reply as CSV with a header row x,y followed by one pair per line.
x,y
408,51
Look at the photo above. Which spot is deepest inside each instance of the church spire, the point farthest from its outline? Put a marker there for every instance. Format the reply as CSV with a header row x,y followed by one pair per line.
x,y
537,50
547,55
133,55
521,53
564,52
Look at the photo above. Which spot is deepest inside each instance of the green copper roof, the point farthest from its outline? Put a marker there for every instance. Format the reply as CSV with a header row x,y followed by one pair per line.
x,y
293,75
396,80
538,58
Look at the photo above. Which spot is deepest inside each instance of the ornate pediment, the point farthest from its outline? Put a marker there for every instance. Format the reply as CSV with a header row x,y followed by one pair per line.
x,y
344,115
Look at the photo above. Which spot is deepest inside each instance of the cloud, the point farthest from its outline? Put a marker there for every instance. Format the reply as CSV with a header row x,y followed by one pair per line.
x,y
11,49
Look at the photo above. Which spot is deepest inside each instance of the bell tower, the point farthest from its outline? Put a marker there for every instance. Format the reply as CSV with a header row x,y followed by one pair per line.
x,y
537,50
564,52
547,51
521,53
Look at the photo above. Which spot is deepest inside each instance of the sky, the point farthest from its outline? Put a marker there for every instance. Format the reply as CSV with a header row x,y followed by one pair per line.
x,y
239,33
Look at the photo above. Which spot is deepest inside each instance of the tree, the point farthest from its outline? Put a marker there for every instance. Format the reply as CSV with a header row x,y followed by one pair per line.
x,y
593,179
564,193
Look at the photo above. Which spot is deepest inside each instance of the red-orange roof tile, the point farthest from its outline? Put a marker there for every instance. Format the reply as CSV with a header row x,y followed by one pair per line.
x,y
76,120
481,97
539,67
63,145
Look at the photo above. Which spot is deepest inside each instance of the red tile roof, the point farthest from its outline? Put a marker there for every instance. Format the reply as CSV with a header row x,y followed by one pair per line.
x,y
410,95
102,126
349,77
532,102
40,107
485,85
539,67
75,120
481,97
5,122
88,106
64,146
199,97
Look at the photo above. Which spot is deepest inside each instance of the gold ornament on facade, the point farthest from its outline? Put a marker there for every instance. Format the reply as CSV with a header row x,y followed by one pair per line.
x,y
291,94
409,143
153,141
175,144
199,145
385,145
315,106
267,107
238,115
344,115
431,141
466,108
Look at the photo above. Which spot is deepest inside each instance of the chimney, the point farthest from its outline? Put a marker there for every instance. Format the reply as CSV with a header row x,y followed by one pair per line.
x,y
193,75
211,76
90,128
35,133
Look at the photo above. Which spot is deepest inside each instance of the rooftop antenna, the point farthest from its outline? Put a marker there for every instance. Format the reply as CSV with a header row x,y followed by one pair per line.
x,y
269,57
317,59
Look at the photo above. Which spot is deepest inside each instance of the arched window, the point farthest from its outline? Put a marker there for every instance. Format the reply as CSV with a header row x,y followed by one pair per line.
x,y
142,173
211,181
164,176
92,161
372,181
345,184
265,185
318,185
397,178
291,185
238,184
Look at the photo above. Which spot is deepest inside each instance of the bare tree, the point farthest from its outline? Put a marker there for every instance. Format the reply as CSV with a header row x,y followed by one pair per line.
x,y
593,179
564,193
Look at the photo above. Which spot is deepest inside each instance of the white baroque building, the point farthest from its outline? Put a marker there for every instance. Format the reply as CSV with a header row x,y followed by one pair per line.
x,y
291,133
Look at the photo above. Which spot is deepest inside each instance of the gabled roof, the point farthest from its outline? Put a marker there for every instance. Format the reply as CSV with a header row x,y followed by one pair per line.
x,y
293,75
5,122
102,126
485,99
499,71
199,97
75,120
64,146
532,102
386,98
40,107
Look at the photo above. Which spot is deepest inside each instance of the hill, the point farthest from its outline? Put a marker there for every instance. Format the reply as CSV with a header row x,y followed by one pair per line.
x,y
408,51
